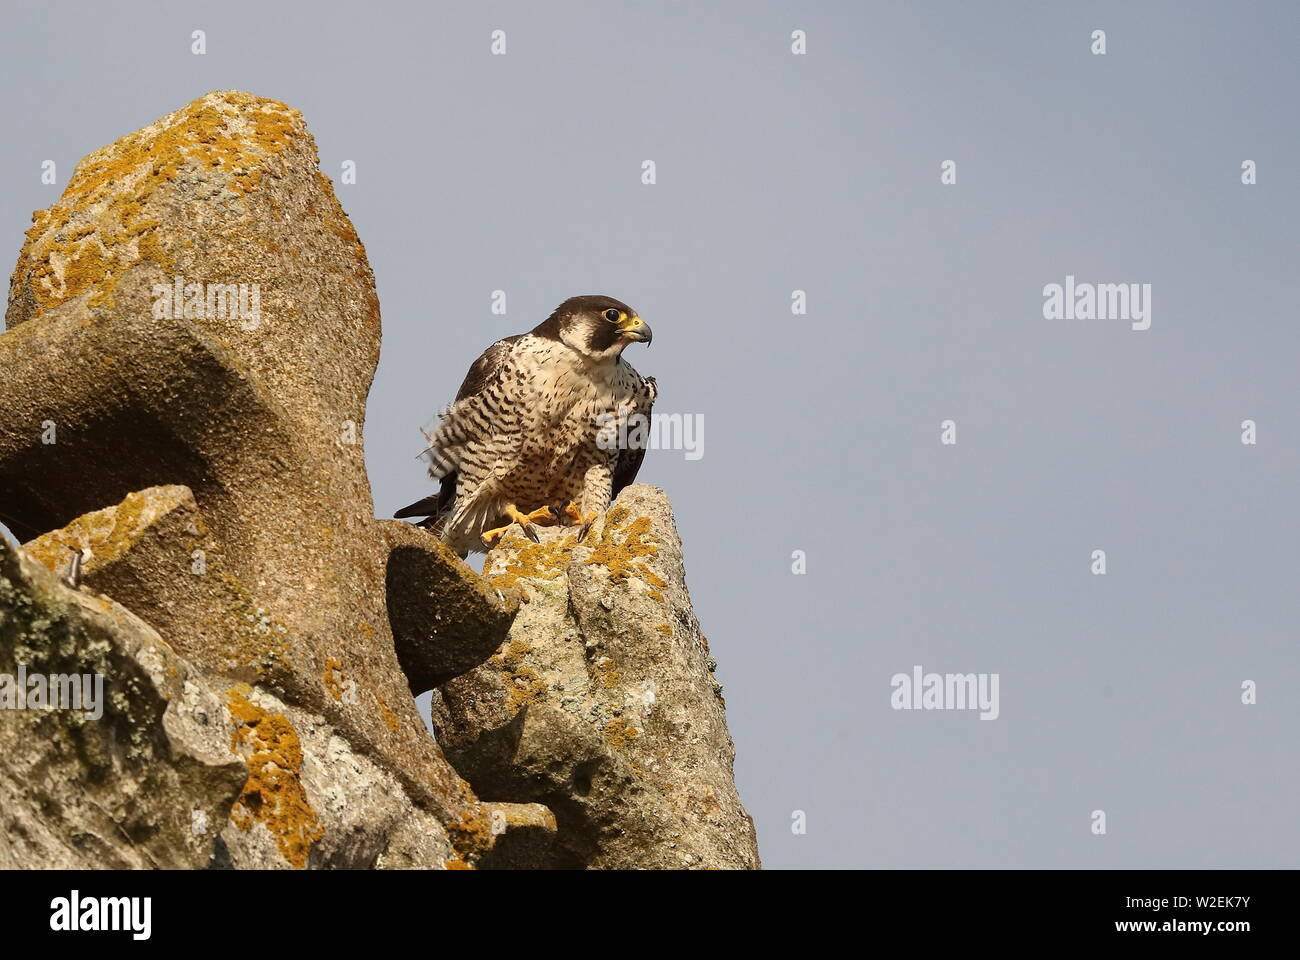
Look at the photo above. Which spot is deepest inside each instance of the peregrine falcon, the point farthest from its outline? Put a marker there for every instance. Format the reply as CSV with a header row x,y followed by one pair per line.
x,y
533,436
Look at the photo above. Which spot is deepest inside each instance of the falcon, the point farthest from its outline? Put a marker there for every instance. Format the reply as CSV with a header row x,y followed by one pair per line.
x,y
532,437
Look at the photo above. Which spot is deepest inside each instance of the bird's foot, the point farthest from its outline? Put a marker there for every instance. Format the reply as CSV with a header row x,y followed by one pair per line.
x,y
542,515
584,520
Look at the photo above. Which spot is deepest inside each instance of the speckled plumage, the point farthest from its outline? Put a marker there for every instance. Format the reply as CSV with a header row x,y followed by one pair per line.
x,y
524,427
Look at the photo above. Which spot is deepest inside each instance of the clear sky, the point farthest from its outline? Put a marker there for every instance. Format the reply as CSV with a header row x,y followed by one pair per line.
x,y
821,172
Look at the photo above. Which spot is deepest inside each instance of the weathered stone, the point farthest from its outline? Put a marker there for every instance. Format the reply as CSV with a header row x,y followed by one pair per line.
x,y
152,554
261,418
183,769
523,837
311,800
446,619
601,704
109,391
265,633
124,790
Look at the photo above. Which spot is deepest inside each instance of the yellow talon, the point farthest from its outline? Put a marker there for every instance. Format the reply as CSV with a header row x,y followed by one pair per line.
x,y
577,516
542,515
490,537
582,520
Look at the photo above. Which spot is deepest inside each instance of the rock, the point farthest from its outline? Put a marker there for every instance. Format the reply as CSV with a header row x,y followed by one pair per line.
x,y
601,703
446,619
261,417
523,836
182,770
192,332
153,554
237,435
127,789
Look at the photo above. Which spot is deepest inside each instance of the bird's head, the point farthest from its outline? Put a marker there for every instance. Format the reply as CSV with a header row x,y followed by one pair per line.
x,y
598,327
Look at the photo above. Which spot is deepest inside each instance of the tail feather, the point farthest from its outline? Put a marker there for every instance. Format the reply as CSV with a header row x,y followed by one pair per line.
x,y
428,507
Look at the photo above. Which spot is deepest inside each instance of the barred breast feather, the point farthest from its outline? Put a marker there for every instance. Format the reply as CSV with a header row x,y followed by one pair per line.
x,y
523,430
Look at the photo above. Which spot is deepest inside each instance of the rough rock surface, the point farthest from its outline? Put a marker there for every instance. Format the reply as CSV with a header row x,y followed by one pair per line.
x,y
444,623
260,417
127,789
182,769
601,704
260,633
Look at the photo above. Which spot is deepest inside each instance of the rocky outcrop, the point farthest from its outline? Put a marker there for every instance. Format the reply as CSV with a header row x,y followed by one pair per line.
x,y
258,410
601,703
192,333
137,787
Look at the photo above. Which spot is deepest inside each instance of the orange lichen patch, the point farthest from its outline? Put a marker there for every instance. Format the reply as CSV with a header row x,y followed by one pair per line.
x,y
99,228
523,685
470,834
63,259
622,555
606,675
536,561
333,678
456,865
274,794
619,734
666,629
108,534
387,715
512,654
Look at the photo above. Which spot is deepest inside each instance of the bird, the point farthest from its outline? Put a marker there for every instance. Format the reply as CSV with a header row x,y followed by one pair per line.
x,y
539,431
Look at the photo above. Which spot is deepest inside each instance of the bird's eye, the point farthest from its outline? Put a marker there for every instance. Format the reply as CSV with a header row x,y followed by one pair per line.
x,y
612,315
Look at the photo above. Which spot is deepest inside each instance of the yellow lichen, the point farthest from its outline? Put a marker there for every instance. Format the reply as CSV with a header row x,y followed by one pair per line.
x,y
512,654
470,834
107,533
619,734
273,794
621,549
606,675
523,685
536,561
98,229
333,678
387,715
666,629
621,555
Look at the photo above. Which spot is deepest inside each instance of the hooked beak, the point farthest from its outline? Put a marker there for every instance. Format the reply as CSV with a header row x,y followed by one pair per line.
x,y
634,328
